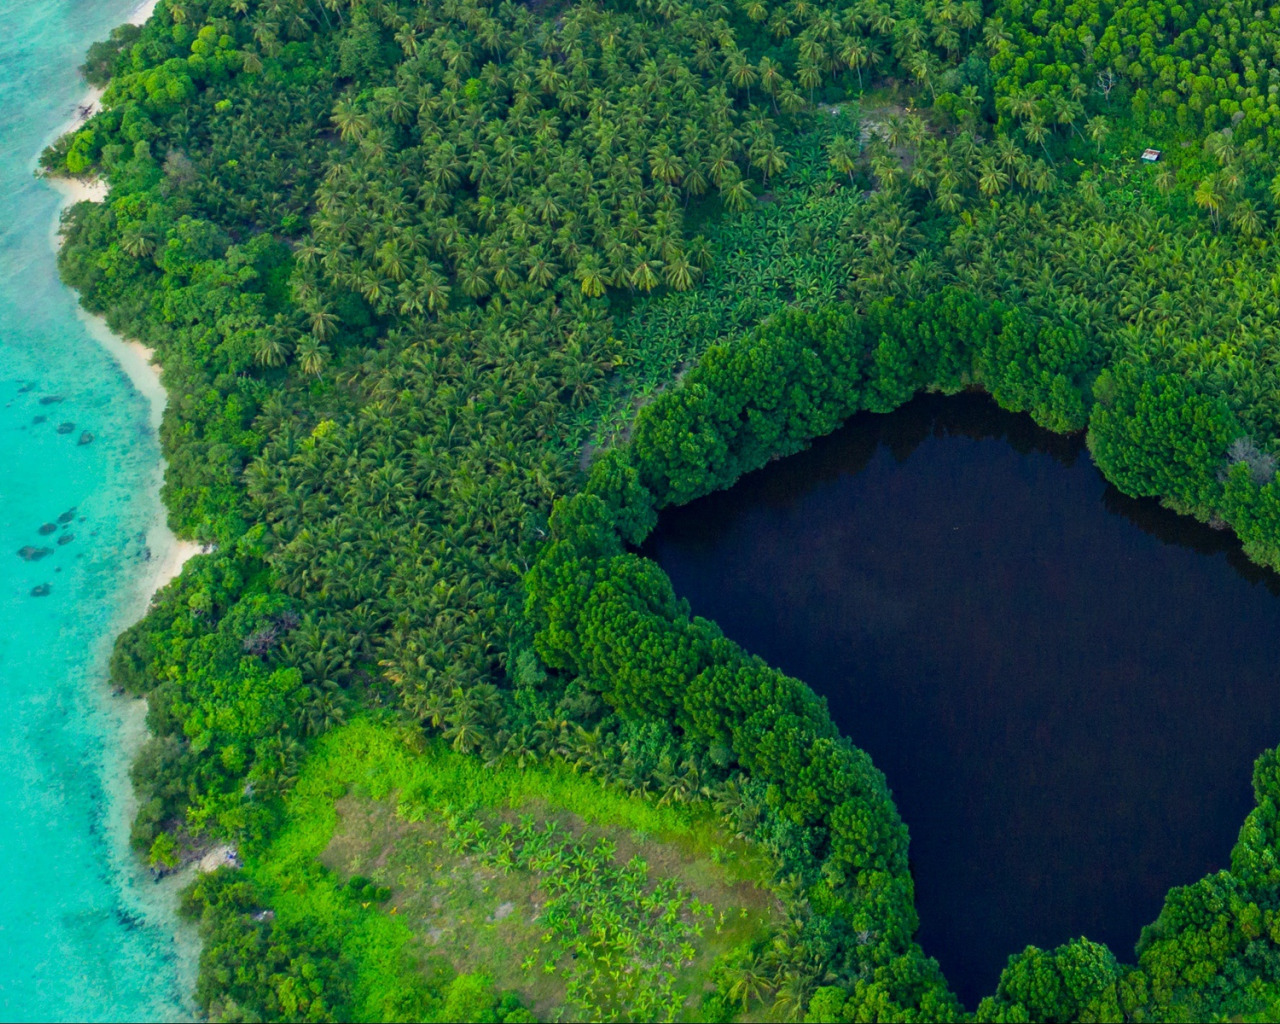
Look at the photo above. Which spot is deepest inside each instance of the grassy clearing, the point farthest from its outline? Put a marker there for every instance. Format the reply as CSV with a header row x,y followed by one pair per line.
x,y
587,902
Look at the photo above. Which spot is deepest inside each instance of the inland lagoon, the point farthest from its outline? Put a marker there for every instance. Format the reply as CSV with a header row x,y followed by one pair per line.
x,y
86,934
1065,688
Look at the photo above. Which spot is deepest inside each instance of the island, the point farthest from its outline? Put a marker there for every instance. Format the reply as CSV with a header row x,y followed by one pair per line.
x,y
453,298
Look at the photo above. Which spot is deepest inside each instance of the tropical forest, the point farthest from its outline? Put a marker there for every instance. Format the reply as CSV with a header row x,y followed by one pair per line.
x,y
454,299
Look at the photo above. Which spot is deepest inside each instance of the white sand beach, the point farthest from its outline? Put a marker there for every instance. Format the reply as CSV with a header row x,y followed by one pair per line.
x,y
169,553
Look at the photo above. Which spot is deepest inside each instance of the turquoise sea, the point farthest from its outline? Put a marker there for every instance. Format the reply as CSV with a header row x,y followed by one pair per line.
x,y
85,934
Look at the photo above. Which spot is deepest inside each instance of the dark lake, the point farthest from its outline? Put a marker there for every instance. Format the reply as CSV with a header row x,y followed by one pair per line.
x,y
1066,688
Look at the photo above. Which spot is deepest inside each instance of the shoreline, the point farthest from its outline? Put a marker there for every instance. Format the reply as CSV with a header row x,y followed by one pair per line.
x,y
169,553
92,189
113,726
132,356
136,360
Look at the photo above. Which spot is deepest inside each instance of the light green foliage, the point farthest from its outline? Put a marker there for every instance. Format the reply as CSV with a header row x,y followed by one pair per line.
x,y
599,915
616,938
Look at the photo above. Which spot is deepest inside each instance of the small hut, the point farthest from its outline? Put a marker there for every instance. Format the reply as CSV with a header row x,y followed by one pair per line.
x,y
1151,155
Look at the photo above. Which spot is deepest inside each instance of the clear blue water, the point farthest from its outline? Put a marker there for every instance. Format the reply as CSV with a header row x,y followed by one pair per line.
x,y
85,934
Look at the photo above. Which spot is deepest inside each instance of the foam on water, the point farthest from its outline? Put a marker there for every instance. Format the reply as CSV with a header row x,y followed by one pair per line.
x,y
85,934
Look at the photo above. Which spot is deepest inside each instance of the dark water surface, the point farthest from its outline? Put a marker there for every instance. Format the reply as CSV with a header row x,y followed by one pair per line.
x,y
1066,688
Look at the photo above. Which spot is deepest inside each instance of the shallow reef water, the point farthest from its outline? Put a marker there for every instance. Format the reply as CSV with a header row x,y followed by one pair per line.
x,y
86,934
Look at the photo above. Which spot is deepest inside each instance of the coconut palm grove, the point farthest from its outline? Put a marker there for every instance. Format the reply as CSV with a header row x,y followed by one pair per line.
x,y
453,297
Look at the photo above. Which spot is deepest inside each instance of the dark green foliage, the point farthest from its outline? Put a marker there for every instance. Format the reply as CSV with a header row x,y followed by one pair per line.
x,y
1052,987
253,968
108,57
224,698
611,618
1158,435
362,889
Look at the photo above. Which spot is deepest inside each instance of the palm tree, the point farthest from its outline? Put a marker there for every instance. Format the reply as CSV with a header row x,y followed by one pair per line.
x,y
737,196
589,272
853,53
771,77
1036,133
435,287
948,200
1221,148
992,179
680,273
792,995
770,159
644,277
138,242
542,270
747,983
1209,196
842,154
473,281
665,165
351,123
1097,128
324,708
270,348
922,64
323,323
463,728
312,355
742,74
995,35
1244,217
809,75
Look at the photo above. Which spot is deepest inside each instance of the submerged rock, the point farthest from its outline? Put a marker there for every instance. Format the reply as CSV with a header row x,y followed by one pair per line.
x,y
37,420
43,590
66,428
66,538
33,554
85,438
46,529
52,399
67,516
